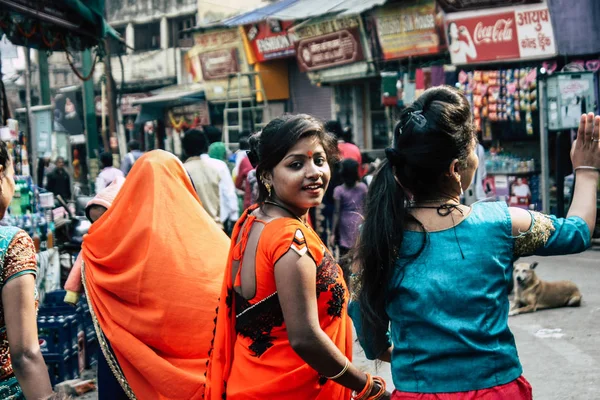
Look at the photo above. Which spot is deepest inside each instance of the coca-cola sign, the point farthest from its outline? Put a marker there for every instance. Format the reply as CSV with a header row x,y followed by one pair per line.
x,y
522,33
337,48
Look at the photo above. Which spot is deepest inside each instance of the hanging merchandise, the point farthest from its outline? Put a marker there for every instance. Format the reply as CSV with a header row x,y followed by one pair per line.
x,y
500,96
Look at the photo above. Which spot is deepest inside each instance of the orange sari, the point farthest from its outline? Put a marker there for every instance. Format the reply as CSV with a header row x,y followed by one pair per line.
x,y
252,357
153,267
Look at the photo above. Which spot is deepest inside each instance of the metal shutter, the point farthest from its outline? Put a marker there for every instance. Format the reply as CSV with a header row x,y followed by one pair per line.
x,y
308,98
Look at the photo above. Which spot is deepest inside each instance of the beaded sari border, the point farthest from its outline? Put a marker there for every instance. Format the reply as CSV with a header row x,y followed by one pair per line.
x,y
110,357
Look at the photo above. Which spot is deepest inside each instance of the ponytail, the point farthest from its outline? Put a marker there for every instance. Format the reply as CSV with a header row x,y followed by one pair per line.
x,y
380,238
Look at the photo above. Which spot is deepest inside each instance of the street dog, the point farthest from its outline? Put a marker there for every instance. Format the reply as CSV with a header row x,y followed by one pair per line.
x,y
532,294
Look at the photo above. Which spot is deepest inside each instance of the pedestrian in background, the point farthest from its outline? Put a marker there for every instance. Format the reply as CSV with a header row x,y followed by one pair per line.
x,y
152,271
211,178
349,202
134,152
282,329
23,373
108,173
59,181
436,273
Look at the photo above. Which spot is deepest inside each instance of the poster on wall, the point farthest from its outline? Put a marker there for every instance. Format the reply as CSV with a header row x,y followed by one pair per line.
x,y
330,50
68,112
569,95
409,29
271,40
520,33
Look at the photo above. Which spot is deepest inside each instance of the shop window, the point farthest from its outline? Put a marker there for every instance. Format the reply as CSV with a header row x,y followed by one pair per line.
x,y
116,46
147,36
177,35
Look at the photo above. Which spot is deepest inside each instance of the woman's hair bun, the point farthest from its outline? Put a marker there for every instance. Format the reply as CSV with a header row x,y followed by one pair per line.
x,y
254,152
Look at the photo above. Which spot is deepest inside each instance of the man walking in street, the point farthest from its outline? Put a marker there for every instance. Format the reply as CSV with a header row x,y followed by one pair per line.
x,y
211,179
134,153
59,181
108,173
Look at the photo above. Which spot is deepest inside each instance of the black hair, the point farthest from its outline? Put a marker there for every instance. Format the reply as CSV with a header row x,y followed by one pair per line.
x,y
213,134
347,135
269,147
106,160
4,156
194,143
350,172
59,158
335,127
133,145
448,32
432,132
244,143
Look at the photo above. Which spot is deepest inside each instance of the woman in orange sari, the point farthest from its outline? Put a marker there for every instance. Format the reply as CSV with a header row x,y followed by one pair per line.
x,y
152,268
282,327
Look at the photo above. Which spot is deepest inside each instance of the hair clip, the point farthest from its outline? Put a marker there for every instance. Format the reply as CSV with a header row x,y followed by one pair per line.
x,y
418,118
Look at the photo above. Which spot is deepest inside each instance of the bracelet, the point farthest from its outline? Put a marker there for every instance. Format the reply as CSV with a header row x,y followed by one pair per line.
x,y
342,372
381,392
588,168
363,395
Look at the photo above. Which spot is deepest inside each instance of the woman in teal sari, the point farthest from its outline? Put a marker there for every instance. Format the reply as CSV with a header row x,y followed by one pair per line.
x,y
23,373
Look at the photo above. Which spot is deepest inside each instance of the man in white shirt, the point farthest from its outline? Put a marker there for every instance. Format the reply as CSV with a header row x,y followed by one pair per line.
x,y
108,173
211,179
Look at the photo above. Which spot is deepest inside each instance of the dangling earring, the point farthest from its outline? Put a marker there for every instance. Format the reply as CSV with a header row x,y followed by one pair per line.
x,y
268,186
460,185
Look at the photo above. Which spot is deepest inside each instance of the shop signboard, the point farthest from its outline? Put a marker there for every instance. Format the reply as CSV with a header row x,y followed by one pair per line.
x,y
464,5
493,35
409,29
218,64
271,40
330,50
127,108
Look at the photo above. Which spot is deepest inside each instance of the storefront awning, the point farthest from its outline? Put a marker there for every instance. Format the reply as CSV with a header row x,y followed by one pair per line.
x,y
154,107
55,25
290,10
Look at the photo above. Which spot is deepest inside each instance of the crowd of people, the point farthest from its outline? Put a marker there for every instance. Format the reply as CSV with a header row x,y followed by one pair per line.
x,y
185,311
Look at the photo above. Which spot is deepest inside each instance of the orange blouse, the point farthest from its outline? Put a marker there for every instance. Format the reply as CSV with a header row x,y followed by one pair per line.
x,y
252,357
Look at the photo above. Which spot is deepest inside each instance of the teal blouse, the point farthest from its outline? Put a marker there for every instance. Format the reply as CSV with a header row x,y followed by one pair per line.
x,y
448,315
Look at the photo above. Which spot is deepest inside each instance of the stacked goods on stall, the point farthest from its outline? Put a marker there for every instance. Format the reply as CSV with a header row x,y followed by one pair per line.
x,y
508,95
67,337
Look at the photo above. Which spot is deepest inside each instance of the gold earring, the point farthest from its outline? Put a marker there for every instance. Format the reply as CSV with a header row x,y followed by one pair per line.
x,y
268,186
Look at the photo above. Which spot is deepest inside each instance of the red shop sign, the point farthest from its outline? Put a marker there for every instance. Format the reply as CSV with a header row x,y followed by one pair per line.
x,y
219,64
337,48
523,33
271,40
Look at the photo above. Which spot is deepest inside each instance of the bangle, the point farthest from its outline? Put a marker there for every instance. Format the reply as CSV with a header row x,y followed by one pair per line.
x,y
342,372
363,395
381,390
588,168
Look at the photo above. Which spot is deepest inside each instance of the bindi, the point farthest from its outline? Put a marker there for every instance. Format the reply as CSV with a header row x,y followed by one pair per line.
x,y
310,154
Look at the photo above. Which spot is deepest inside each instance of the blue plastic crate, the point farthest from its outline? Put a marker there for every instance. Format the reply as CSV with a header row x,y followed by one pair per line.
x,y
54,333
58,367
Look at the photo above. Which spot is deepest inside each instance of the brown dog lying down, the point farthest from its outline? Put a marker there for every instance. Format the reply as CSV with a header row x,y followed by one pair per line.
x,y
532,294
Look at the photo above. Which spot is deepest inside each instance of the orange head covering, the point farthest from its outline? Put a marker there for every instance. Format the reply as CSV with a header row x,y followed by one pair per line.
x,y
104,199
153,267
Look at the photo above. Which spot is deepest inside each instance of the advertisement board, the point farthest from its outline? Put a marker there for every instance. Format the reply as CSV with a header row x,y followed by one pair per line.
x,y
330,50
490,35
409,29
271,40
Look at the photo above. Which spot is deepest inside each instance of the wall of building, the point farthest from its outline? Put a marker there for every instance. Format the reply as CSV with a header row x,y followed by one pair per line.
x,y
120,12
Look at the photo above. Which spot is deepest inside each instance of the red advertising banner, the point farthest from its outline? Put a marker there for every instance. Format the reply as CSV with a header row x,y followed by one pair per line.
x,y
330,50
523,33
219,64
271,40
